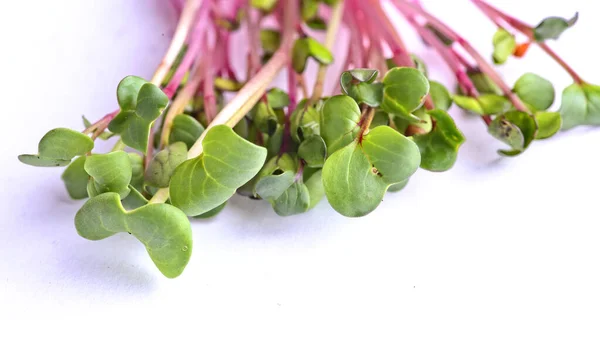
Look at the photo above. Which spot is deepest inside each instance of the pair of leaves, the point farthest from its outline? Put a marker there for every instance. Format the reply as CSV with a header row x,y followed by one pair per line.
x,y
163,229
580,105
356,177
361,86
58,147
227,162
439,147
141,103
305,48
404,91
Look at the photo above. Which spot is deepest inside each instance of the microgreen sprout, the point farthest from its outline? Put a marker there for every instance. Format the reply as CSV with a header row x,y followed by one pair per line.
x,y
198,133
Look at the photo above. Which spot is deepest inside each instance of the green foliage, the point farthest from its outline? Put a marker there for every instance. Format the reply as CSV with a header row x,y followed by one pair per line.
x,y
108,173
439,147
58,147
185,129
535,91
277,98
305,121
76,179
141,103
440,96
227,162
504,46
361,86
516,129
553,27
484,105
549,123
580,105
264,5
313,151
163,229
161,168
404,92
340,122
309,47
356,177
270,40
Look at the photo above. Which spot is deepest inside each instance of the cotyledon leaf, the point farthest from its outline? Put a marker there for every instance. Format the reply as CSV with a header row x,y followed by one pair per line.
x,y
76,179
340,122
404,92
164,230
535,91
109,173
580,106
549,123
58,147
159,170
185,129
141,102
227,162
356,177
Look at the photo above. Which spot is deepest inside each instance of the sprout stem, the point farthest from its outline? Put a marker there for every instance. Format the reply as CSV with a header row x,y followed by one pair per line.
x,y
332,31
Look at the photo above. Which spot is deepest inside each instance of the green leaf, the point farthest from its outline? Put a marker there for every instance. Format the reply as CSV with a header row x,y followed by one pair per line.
x,y
161,168
359,84
271,187
309,9
141,104
397,187
270,40
277,98
305,121
227,162
314,184
357,176
404,92
440,96
264,5
309,47
341,116
58,147
515,128
313,151
109,173
439,147
163,229
213,212
535,91
185,129
264,117
380,118
295,200
553,27
549,123
137,171
485,104
274,142
504,46
134,200
76,179
227,85
419,64
580,106
483,83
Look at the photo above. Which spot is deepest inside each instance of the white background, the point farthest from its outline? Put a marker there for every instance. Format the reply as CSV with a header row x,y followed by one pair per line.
x,y
495,250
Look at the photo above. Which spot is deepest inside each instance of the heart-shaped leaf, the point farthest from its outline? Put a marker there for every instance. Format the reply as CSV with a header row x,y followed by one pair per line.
x,y
161,168
359,84
357,176
440,96
580,105
504,46
163,229
58,147
227,162
515,128
439,147
404,92
309,47
553,27
313,151
549,123
535,91
108,173
185,129
305,121
141,103
76,179
277,98
340,116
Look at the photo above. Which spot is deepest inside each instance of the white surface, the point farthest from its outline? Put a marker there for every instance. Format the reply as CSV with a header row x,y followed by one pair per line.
x,y
496,250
